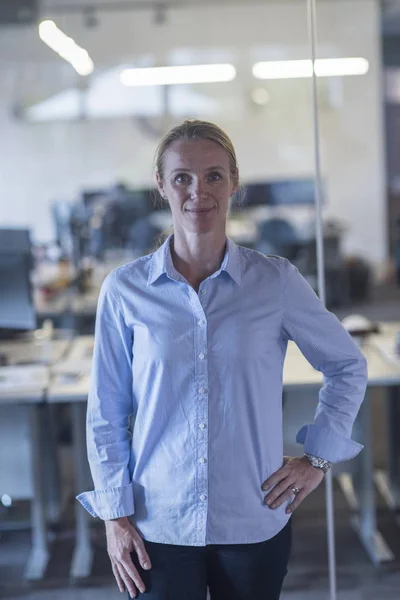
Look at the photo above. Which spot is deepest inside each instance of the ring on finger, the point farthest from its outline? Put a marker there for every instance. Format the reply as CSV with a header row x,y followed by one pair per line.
x,y
295,490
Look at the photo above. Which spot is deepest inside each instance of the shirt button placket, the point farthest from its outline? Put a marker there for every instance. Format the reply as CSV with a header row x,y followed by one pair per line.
x,y
202,413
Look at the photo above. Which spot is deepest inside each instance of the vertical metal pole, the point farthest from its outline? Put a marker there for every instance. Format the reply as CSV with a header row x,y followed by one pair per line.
x,y
312,22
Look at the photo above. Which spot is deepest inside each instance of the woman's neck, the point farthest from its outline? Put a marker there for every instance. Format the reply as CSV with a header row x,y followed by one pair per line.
x,y
196,256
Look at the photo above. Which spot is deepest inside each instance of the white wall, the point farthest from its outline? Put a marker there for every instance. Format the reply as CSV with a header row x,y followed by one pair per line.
x,y
43,162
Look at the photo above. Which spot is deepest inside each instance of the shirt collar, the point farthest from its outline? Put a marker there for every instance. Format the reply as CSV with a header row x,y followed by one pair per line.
x,y
161,263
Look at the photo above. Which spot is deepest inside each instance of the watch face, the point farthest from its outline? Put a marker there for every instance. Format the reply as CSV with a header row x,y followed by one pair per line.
x,y
319,463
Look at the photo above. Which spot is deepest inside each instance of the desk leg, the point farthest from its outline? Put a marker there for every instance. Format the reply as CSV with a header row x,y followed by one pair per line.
x,y
394,441
50,464
83,553
39,556
346,483
365,523
388,482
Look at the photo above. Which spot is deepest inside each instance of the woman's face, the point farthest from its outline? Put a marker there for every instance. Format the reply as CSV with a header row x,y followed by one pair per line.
x,y
197,183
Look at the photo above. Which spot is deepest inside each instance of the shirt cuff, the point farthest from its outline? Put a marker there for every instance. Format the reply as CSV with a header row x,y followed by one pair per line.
x,y
326,444
109,503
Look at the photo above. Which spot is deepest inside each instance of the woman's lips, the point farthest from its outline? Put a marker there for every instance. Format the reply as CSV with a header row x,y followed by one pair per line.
x,y
199,211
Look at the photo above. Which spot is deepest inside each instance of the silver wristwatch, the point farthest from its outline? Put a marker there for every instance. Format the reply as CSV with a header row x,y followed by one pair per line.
x,y
319,463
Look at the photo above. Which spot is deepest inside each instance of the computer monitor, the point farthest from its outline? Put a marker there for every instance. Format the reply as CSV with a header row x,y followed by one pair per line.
x,y
15,240
131,205
253,194
16,300
289,192
292,192
17,310
90,197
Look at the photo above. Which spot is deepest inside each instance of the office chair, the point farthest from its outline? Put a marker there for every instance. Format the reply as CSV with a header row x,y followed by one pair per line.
x,y
277,236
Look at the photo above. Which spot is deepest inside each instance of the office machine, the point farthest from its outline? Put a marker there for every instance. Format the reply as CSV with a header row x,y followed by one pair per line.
x,y
15,240
292,192
17,312
285,192
253,194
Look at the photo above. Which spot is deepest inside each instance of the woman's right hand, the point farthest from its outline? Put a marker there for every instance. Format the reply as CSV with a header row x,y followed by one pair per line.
x,y
122,539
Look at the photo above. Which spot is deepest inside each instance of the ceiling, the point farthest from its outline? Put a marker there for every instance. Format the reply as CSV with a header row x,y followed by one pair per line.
x,y
135,33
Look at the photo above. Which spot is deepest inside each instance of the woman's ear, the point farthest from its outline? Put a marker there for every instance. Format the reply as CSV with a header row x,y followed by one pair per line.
x,y
235,177
160,185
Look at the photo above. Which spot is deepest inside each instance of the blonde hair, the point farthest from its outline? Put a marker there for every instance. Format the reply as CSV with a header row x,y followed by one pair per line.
x,y
194,129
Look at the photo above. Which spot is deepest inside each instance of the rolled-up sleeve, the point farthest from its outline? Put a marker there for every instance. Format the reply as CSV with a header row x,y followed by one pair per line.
x,y
109,409
330,349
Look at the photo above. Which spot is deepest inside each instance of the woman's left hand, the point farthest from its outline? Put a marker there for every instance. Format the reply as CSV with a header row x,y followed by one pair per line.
x,y
296,473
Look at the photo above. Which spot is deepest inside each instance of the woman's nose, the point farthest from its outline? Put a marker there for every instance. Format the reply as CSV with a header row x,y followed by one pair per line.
x,y
198,188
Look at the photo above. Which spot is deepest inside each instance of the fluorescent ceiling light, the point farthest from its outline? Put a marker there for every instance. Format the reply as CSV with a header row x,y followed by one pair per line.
x,y
337,67
178,75
65,46
105,97
324,67
282,69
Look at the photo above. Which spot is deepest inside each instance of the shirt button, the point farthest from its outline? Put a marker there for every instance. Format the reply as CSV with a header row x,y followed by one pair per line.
x,y
201,322
202,425
203,292
202,390
201,356
203,497
202,461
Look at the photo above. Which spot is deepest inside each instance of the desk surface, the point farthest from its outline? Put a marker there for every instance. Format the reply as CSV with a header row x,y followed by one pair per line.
x,y
36,350
28,382
297,372
69,380
385,342
69,300
51,307
81,348
23,384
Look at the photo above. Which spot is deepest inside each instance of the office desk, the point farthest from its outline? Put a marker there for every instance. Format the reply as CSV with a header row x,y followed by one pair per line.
x,y
388,482
23,383
52,308
25,386
70,310
298,374
360,494
70,305
33,351
70,384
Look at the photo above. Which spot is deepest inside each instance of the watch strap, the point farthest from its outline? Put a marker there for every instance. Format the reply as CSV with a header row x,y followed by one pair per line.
x,y
319,463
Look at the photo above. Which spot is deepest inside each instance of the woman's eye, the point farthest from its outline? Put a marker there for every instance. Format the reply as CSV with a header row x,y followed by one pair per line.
x,y
215,176
181,178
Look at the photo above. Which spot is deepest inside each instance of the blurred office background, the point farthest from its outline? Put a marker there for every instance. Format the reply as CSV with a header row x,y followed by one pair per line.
x,y
78,133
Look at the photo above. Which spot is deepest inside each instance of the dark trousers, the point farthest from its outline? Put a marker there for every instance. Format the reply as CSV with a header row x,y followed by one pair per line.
x,y
230,571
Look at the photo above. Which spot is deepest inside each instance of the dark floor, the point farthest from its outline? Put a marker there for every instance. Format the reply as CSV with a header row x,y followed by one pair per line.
x,y
307,578
357,578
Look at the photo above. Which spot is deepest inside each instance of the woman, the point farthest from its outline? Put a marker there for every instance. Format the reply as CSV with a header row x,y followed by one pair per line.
x,y
190,341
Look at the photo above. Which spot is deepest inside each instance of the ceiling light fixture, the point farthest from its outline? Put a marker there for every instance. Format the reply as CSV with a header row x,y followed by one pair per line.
x,y
160,14
260,96
90,17
324,67
178,75
65,47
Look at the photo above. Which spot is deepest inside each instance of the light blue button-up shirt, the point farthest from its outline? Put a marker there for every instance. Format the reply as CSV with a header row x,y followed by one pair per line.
x,y
184,418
